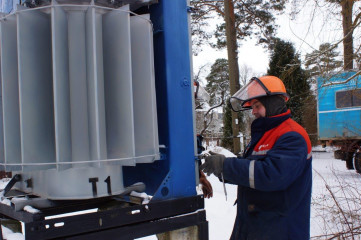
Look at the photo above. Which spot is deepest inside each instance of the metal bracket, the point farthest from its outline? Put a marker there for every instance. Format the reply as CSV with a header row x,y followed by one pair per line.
x,y
16,178
164,189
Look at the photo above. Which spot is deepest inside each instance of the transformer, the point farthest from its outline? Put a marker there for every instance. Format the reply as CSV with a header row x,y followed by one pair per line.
x,y
96,97
78,98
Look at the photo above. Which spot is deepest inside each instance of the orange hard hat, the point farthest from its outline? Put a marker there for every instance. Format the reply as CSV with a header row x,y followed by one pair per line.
x,y
256,88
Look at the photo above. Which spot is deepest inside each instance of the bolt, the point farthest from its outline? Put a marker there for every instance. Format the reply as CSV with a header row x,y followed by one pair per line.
x,y
146,207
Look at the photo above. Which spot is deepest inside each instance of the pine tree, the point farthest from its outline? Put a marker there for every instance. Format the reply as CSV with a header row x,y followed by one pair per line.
x,y
218,81
252,18
286,65
322,61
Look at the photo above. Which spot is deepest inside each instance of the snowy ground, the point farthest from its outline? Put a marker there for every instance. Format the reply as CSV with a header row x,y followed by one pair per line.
x,y
335,200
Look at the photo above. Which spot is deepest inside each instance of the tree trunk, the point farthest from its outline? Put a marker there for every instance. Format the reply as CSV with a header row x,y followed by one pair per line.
x,y
346,12
231,36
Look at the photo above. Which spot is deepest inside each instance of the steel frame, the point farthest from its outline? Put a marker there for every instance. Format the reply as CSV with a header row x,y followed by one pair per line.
x,y
120,223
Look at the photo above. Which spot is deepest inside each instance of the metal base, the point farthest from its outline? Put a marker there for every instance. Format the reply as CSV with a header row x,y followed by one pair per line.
x,y
119,222
151,227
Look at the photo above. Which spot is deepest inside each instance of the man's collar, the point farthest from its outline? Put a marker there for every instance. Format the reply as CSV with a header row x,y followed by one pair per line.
x,y
264,124
282,114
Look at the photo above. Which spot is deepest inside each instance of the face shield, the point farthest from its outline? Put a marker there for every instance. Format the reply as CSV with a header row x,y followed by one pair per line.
x,y
200,93
256,88
253,89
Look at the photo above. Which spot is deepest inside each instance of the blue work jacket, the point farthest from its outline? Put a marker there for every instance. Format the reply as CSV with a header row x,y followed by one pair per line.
x,y
274,179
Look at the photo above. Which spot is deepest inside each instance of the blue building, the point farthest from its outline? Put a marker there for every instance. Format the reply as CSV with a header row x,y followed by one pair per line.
x,y
339,107
339,114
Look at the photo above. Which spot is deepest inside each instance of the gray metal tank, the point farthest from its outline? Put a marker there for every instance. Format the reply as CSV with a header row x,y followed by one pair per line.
x,y
78,98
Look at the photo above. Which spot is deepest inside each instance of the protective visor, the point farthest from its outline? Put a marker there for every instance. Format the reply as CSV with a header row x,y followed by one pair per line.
x,y
253,89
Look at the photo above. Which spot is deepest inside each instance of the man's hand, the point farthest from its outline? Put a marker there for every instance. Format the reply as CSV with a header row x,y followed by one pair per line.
x,y
206,185
213,164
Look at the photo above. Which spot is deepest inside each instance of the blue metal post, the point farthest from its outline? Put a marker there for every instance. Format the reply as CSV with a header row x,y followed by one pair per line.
x,y
175,176
171,25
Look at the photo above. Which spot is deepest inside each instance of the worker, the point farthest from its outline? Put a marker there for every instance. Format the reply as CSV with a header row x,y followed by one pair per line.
x,y
274,175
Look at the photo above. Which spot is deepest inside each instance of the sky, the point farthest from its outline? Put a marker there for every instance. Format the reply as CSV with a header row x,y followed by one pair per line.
x,y
305,36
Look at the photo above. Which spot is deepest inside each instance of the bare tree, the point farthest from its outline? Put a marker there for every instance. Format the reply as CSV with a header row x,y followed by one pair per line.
x,y
348,26
322,62
349,16
246,73
338,207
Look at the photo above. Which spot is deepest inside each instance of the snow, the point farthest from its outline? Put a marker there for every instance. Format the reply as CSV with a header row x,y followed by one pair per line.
x,y
9,235
4,182
93,210
335,199
6,201
219,150
30,209
146,198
